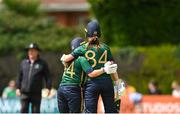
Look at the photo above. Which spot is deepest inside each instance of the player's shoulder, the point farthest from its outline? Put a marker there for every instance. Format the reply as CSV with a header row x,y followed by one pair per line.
x,y
105,46
84,45
81,47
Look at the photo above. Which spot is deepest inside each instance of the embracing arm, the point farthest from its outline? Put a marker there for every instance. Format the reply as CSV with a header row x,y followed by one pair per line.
x,y
89,69
67,58
73,55
96,73
109,69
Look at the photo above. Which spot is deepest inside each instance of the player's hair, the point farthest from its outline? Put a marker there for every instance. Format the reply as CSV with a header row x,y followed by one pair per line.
x,y
93,42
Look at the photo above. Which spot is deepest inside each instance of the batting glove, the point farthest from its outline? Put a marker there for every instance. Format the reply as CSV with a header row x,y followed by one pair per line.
x,y
119,87
110,68
63,57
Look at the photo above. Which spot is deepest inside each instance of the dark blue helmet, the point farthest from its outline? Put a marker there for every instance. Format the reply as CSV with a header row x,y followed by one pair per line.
x,y
93,29
76,42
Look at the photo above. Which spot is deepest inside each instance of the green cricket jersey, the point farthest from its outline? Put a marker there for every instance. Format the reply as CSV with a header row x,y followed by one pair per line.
x,y
74,74
97,57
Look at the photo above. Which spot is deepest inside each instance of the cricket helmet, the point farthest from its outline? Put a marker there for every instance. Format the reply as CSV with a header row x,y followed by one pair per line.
x,y
93,29
76,42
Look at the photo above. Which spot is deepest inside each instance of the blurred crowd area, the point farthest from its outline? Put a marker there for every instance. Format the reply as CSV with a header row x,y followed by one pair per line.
x,y
153,89
131,99
10,91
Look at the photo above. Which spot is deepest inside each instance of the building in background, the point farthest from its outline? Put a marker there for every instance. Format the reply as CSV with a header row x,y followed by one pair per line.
x,y
67,13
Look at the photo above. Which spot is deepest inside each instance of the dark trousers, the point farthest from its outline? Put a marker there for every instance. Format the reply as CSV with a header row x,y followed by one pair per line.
x,y
35,100
69,99
96,87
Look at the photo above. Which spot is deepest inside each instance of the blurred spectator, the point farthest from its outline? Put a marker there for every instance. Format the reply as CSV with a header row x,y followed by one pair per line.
x,y
46,94
10,90
176,89
153,88
134,96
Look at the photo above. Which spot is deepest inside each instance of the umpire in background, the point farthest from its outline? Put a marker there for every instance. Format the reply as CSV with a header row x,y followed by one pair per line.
x,y
30,80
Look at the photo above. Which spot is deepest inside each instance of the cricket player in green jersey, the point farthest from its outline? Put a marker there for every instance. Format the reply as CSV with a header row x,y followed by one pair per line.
x,y
97,54
69,92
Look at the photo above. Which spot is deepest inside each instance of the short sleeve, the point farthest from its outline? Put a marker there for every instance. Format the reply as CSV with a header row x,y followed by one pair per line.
x,y
85,65
77,52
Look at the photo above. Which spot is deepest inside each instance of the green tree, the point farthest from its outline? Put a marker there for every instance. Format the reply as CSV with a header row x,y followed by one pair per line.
x,y
17,29
139,65
138,22
27,7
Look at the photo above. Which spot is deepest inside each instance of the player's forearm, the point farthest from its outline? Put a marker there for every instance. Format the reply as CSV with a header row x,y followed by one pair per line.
x,y
96,73
68,58
115,76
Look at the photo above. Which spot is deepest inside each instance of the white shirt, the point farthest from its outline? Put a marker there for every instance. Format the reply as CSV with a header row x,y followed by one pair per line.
x,y
176,93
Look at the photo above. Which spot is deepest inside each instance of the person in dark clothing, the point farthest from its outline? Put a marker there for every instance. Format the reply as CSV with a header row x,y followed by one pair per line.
x,y
33,71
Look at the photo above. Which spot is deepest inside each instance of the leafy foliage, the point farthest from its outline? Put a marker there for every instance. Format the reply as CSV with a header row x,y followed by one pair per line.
x,y
18,30
138,22
139,65
27,7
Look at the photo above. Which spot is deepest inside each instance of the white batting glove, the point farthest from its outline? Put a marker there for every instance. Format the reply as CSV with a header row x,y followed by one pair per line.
x,y
63,57
107,63
109,69
120,85
121,88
